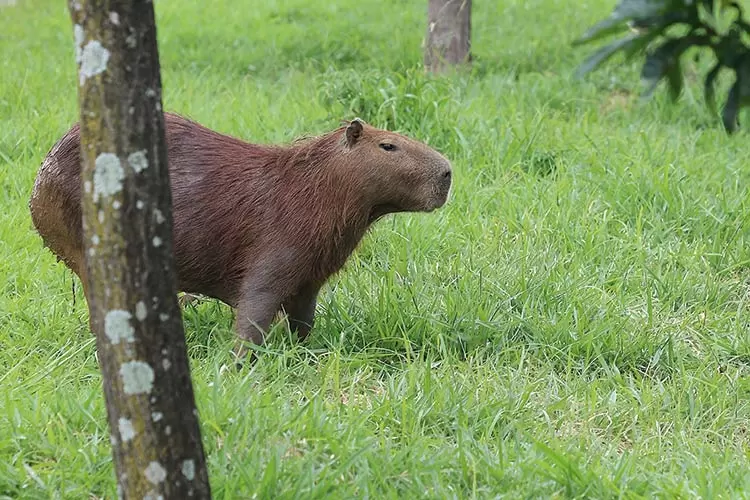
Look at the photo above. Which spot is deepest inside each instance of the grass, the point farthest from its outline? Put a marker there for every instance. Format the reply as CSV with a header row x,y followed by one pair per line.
x,y
574,323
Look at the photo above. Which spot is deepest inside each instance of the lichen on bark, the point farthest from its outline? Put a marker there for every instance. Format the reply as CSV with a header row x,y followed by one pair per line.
x,y
126,208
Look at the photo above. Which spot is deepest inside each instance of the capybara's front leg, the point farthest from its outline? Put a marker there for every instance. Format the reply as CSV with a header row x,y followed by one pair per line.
x,y
300,310
255,312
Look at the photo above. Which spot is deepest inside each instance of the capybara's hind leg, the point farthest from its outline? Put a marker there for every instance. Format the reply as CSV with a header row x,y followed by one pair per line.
x,y
300,310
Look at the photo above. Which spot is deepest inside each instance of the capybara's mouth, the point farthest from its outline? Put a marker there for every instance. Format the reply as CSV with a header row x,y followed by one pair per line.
x,y
442,198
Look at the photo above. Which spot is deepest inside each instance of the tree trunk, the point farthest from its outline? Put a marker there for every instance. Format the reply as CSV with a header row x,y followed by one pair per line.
x,y
127,225
448,40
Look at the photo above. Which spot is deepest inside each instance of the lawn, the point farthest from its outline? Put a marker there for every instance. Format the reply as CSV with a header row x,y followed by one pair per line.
x,y
575,322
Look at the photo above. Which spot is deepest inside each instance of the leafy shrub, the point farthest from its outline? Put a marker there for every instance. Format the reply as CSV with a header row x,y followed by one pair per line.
x,y
666,30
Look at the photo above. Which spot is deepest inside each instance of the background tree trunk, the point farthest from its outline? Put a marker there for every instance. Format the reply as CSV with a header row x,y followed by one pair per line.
x,y
127,222
448,40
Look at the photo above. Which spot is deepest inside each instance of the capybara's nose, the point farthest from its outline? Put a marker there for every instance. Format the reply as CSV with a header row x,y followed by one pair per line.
x,y
443,182
445,176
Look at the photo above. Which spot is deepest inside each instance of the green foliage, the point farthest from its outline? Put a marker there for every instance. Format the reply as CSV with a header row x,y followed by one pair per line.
x,y
667,30
411,102
573,324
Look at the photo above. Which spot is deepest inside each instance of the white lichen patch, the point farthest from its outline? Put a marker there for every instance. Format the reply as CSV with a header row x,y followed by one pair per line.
x,y
108,175
114,18
152,495
155,473
131,41
156,416
150,93
87,187
188,469
159,216
166,364
140,311
117,326
156,242
79,36
139,204
92,252
100,216
137,377
95,240
116,204
138,161
127,432
93,60
163,316
168,430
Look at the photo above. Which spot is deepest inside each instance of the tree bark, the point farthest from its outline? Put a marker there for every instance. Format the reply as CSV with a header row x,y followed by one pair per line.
x,y
448,41
127,224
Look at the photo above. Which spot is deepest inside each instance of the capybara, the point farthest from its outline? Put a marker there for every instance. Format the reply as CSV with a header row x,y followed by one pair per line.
x,y
259,227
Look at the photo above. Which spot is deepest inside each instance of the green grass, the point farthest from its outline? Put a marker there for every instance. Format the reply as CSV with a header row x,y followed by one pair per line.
x,y
574,323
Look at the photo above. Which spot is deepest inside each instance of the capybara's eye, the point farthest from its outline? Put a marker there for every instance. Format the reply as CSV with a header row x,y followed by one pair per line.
x,y
387,146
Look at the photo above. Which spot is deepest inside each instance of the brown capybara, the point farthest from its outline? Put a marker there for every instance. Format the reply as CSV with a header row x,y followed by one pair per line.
x,y
259,227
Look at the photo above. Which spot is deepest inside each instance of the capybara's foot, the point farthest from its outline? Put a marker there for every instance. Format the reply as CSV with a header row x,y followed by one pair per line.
x,y
244,356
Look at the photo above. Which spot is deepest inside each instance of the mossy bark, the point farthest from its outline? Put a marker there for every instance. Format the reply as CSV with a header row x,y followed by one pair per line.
x,y
131,283
448,41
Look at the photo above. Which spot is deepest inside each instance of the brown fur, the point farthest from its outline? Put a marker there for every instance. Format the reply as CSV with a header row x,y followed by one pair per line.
x,y
259,227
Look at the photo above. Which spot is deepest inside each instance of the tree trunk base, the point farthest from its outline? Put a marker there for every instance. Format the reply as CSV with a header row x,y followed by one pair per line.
x,y
448,41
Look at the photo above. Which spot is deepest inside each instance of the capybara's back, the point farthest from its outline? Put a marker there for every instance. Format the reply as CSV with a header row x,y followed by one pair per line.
x,y
260,227
209,175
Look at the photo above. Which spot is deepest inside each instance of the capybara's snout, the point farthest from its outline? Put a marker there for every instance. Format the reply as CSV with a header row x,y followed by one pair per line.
x,y
443,181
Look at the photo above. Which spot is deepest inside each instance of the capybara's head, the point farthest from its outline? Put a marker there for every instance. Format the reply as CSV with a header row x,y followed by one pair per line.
x,y
401,174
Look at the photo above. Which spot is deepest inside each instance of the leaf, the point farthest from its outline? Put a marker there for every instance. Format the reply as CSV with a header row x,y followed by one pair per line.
x,y
655,30
624,11
743,73
601,29
663,62
739,94
605,53
708,88
732,108
674,78
641,43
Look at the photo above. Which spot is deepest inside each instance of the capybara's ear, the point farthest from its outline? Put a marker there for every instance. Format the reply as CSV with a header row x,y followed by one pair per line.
x,y
353,132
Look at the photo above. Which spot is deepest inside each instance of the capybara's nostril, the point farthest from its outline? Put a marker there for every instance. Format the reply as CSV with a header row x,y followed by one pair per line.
x,y
447,174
